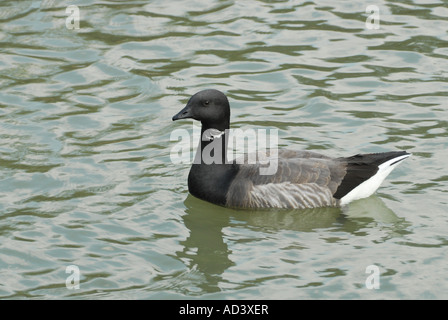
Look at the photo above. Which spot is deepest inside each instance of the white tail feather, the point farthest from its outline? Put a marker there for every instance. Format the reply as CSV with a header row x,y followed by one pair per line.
x,y
368,187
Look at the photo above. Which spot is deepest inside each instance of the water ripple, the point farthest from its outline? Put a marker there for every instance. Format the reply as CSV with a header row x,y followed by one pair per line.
x,y
85,172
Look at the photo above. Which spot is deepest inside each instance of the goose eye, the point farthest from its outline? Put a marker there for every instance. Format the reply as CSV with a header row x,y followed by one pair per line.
x,y
206,103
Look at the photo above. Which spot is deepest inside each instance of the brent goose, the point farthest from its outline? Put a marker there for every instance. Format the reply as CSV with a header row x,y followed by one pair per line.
x,y
303,179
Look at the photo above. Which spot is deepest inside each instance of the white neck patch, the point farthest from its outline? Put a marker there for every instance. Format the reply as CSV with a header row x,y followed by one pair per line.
x,y
212,134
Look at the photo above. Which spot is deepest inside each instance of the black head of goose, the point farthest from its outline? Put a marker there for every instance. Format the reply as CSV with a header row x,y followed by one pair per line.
x,y
303,179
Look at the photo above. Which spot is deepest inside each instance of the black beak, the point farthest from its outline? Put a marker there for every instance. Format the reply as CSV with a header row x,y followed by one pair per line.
x,y
185,113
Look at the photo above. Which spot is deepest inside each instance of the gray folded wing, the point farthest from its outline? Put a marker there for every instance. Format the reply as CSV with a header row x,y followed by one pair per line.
x,y
303,179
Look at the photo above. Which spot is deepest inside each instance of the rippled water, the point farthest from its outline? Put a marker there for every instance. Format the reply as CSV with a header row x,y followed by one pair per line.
x,y
85,172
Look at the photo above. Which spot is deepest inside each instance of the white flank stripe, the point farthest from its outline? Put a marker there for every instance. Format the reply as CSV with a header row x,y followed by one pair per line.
x,y
368,187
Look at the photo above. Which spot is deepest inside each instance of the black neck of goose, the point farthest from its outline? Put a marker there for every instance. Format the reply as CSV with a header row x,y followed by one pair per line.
x,y
213,144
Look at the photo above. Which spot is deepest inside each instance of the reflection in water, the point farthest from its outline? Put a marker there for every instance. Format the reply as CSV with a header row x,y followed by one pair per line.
x,y
371,208
299,220
205,250
350,218
373,211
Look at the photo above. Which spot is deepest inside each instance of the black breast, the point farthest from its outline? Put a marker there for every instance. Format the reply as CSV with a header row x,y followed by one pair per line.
x,y
211,182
